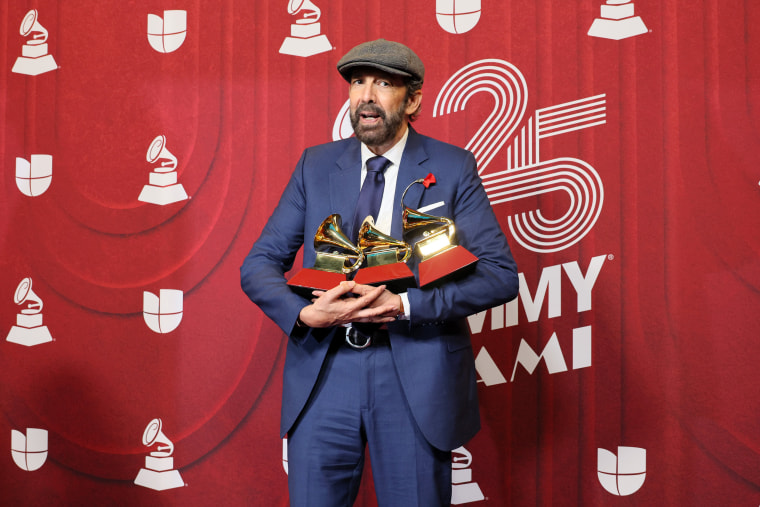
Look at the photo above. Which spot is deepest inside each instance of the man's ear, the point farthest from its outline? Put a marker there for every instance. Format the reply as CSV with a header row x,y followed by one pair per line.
x,y
414,102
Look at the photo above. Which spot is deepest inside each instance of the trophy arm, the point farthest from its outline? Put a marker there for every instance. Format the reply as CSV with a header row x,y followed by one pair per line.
x,y
353,267
407,253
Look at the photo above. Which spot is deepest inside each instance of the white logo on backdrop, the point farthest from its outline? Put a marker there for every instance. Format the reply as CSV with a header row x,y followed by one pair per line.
x,y
159,472
463,488
162,188
163,313
29,451
457,16
623,474
306,37
33,177
617,21
525,174
28,330
342,128
168,33
34,59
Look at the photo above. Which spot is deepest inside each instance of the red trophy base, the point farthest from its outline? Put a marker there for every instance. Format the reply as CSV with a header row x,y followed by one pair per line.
x,y
445,264
396,276
308,280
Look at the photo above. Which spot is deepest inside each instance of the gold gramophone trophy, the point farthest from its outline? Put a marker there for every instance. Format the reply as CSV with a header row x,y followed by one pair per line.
x,y
336,258
434,242
385,258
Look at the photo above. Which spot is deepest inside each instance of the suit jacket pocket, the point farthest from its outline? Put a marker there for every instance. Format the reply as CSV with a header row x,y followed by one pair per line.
x,y
457,342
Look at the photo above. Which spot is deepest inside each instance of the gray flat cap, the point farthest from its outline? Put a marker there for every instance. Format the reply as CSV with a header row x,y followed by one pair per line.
x,y
392,57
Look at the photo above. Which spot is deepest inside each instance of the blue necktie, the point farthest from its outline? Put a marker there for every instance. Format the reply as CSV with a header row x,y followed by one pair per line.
x,y
371,194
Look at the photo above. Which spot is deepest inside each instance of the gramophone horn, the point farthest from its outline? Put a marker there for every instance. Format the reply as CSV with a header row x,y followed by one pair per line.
x,y
332,245
157,151
418,225
31,25
372,241
154,435
25,294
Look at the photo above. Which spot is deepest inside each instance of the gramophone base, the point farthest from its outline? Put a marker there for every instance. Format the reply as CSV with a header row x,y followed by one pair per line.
x,y
308,280
159,481
305,46
396,276
617,29
453,261
29,336
163,195
34,66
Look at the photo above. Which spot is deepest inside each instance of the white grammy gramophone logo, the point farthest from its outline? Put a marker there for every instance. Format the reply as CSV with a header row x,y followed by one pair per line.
x,y
463,489
33,177
159,472
163,313
306,37
168,33
34,59
28,329
162,188
29,451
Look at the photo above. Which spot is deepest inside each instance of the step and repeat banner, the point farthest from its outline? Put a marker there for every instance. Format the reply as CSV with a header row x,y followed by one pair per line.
x,y
143,145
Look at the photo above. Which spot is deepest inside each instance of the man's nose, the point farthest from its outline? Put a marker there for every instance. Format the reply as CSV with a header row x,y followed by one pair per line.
x,y
368,94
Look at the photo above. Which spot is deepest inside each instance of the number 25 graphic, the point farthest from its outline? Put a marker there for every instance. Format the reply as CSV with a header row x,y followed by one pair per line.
x,y
525,175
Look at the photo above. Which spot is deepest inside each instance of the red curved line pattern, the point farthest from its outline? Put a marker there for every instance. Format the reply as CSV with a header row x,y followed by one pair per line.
x,y
532,230
506,84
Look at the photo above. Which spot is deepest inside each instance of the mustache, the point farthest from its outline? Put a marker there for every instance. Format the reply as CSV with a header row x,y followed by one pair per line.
x,y
370,108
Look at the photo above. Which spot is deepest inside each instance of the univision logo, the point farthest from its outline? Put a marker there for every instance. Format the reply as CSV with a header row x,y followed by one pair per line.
x,y
623,474
33,176
168,33
457,16
29,451
163,313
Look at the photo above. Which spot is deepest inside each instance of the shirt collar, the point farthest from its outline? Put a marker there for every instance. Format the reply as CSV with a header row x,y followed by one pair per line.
x,y
394,154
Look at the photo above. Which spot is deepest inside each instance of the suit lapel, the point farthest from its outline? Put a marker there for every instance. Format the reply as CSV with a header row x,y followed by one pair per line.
x,y
411,169
344,184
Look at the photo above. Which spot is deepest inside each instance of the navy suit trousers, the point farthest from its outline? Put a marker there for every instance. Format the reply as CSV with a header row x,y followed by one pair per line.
x,y
358,403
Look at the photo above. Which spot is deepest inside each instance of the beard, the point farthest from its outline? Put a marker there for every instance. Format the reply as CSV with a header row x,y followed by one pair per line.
x,y
384,131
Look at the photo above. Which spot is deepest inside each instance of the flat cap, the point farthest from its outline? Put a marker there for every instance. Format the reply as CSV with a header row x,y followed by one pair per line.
x,y
392,57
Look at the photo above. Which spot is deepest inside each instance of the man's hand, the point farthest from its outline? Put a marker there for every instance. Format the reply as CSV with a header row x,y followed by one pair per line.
x,y
385,299
330,308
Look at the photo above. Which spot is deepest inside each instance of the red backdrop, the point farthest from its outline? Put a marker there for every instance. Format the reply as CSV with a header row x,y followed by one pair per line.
x,y
633,217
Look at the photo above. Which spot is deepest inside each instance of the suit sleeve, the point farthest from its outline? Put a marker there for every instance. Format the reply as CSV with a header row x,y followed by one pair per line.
x,y
262,275
494,280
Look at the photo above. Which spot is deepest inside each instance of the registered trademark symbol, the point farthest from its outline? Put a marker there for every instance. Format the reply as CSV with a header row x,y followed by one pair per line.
x,y
610,257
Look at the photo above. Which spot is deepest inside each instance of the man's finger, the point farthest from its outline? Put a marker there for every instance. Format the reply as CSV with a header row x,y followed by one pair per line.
x,y
363,290
339,290
377,314
368,296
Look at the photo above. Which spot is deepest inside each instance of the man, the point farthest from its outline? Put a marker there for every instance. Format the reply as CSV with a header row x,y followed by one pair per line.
x,y
410,395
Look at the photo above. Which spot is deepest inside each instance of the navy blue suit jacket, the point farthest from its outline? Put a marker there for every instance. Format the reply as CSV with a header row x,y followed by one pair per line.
x,y
432,351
